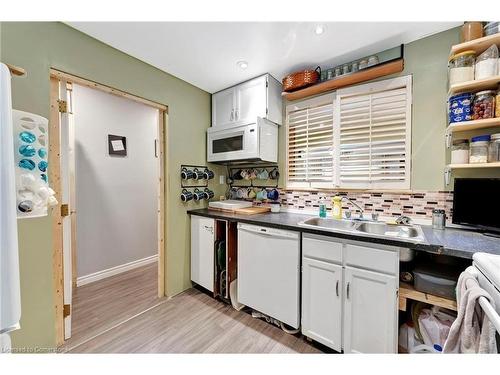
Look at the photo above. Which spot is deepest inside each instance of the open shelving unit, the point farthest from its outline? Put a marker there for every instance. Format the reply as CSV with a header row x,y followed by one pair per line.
x,y
408,292
491,83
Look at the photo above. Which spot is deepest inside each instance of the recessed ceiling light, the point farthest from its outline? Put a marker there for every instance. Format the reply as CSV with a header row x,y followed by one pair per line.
x,y
242,64
319,29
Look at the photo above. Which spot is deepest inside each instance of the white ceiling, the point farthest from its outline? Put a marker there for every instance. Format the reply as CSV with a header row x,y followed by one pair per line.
x,y
205,53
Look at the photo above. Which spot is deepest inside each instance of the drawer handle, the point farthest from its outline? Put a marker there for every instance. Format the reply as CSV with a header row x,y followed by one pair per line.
x,y
337,288
348,290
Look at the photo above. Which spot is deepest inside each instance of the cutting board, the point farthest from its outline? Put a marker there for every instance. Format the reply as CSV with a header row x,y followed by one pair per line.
x,y
245,211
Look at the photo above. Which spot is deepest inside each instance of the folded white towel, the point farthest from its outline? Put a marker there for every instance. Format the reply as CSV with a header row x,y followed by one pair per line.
x,y
472,331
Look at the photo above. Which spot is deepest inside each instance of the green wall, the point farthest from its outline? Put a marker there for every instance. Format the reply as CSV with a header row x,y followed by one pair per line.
x,y
426,60
39,46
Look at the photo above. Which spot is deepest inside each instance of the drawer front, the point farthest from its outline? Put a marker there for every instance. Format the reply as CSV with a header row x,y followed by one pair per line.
x,y
373,258
322,248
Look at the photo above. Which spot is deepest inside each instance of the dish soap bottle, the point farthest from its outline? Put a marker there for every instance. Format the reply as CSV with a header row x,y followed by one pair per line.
x,y
337,207
322,207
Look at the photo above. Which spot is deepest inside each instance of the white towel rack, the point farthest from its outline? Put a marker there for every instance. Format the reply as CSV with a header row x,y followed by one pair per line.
x,y
490,312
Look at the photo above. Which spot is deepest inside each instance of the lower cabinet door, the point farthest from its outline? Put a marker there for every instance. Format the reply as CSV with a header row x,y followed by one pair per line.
x,y
322,302
370,312
202,251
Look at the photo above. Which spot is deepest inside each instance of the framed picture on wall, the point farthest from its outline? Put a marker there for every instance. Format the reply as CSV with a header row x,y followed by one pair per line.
x,y
117,145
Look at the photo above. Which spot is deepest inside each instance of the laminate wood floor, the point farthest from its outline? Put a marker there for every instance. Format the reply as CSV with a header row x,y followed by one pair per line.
x,y
193,322
100,305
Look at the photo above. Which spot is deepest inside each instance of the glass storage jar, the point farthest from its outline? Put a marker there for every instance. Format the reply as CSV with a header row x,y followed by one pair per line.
x,y
461,67
497,104
494,148
479,149
460,151
471,31
484,105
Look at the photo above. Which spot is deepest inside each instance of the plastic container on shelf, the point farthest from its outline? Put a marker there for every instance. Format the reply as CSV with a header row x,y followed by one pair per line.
x,y
460,151
460,107
487,63
494,149
492,28
472,30
354,67
461,67
345,69
363,64
484,105
479,149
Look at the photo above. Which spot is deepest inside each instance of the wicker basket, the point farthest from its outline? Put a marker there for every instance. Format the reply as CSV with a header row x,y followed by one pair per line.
x,y
301,79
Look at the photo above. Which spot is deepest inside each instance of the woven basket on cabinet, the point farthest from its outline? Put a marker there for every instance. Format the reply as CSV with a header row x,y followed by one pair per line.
x,y
301,79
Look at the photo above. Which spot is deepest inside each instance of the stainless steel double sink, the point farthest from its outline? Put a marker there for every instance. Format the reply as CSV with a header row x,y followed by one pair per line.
x,y
411,233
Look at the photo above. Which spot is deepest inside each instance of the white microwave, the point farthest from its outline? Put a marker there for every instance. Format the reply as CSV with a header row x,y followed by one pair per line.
x,y
251,142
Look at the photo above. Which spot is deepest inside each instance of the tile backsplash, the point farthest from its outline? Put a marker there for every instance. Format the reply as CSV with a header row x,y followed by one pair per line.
x,y
418,204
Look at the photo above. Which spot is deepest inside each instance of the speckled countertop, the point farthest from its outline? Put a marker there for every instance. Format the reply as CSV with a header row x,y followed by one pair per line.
x,y
454,242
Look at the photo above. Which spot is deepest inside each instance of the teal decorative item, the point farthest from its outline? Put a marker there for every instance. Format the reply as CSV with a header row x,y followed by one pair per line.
x,y
27,137
42,153
27,150
44,177
43,166
27,164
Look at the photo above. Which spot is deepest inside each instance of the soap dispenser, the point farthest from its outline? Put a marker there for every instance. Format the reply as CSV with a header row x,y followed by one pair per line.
x,y
322,207
337,207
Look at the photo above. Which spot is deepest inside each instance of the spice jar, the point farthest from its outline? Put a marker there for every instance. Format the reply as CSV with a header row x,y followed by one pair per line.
x,y
460,151
471,31
494,148
479,149
461,67
484,105
345,69
337,71
497,105
363,64
354,67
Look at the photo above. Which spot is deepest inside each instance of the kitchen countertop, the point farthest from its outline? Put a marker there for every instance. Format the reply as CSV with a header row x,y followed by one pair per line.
x,y
453,242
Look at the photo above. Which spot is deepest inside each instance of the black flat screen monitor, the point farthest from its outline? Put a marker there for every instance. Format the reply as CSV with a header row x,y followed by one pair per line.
x,y
476,203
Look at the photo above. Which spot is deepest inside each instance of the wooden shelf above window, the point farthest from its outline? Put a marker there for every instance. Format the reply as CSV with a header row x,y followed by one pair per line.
x,y
407,291
473,125
476,85
477,45
349,79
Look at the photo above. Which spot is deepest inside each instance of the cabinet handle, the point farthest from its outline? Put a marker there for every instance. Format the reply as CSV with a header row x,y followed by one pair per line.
x,y
348,290
337,288
236,115
210,229
232,115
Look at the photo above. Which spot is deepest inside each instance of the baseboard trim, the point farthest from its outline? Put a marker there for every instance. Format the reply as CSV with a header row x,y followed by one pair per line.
x,y
87,279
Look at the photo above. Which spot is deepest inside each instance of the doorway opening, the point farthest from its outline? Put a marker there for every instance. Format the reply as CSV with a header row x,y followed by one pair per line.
x,y
106,157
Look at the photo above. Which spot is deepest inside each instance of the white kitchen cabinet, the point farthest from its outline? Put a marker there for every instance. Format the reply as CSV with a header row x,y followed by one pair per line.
x,y
243,103
370,312
202,251
223,107
322,291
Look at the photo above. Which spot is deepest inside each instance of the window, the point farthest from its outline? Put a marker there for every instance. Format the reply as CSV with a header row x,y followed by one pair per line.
x,y
310,143
359,138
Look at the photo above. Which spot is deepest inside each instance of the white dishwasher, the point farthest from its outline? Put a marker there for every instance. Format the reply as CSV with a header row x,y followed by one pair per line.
x,y
269,271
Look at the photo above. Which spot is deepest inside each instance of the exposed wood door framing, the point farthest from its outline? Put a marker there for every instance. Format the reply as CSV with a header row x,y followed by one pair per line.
x,y
56,77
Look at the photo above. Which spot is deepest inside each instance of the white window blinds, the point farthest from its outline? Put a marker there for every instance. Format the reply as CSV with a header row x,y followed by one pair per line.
x,y
356,138
310,143
374,135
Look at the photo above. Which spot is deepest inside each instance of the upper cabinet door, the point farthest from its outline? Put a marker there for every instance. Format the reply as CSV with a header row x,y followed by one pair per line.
x,y
370,312
251,100
224,107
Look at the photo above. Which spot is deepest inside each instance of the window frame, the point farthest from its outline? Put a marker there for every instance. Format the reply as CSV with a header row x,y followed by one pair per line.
x,y
335,98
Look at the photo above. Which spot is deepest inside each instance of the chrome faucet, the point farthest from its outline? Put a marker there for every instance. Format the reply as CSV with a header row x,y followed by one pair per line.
x,y
355,205
402,219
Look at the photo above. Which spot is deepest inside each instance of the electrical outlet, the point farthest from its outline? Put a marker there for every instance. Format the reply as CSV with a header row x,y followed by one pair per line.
x,y
222,179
